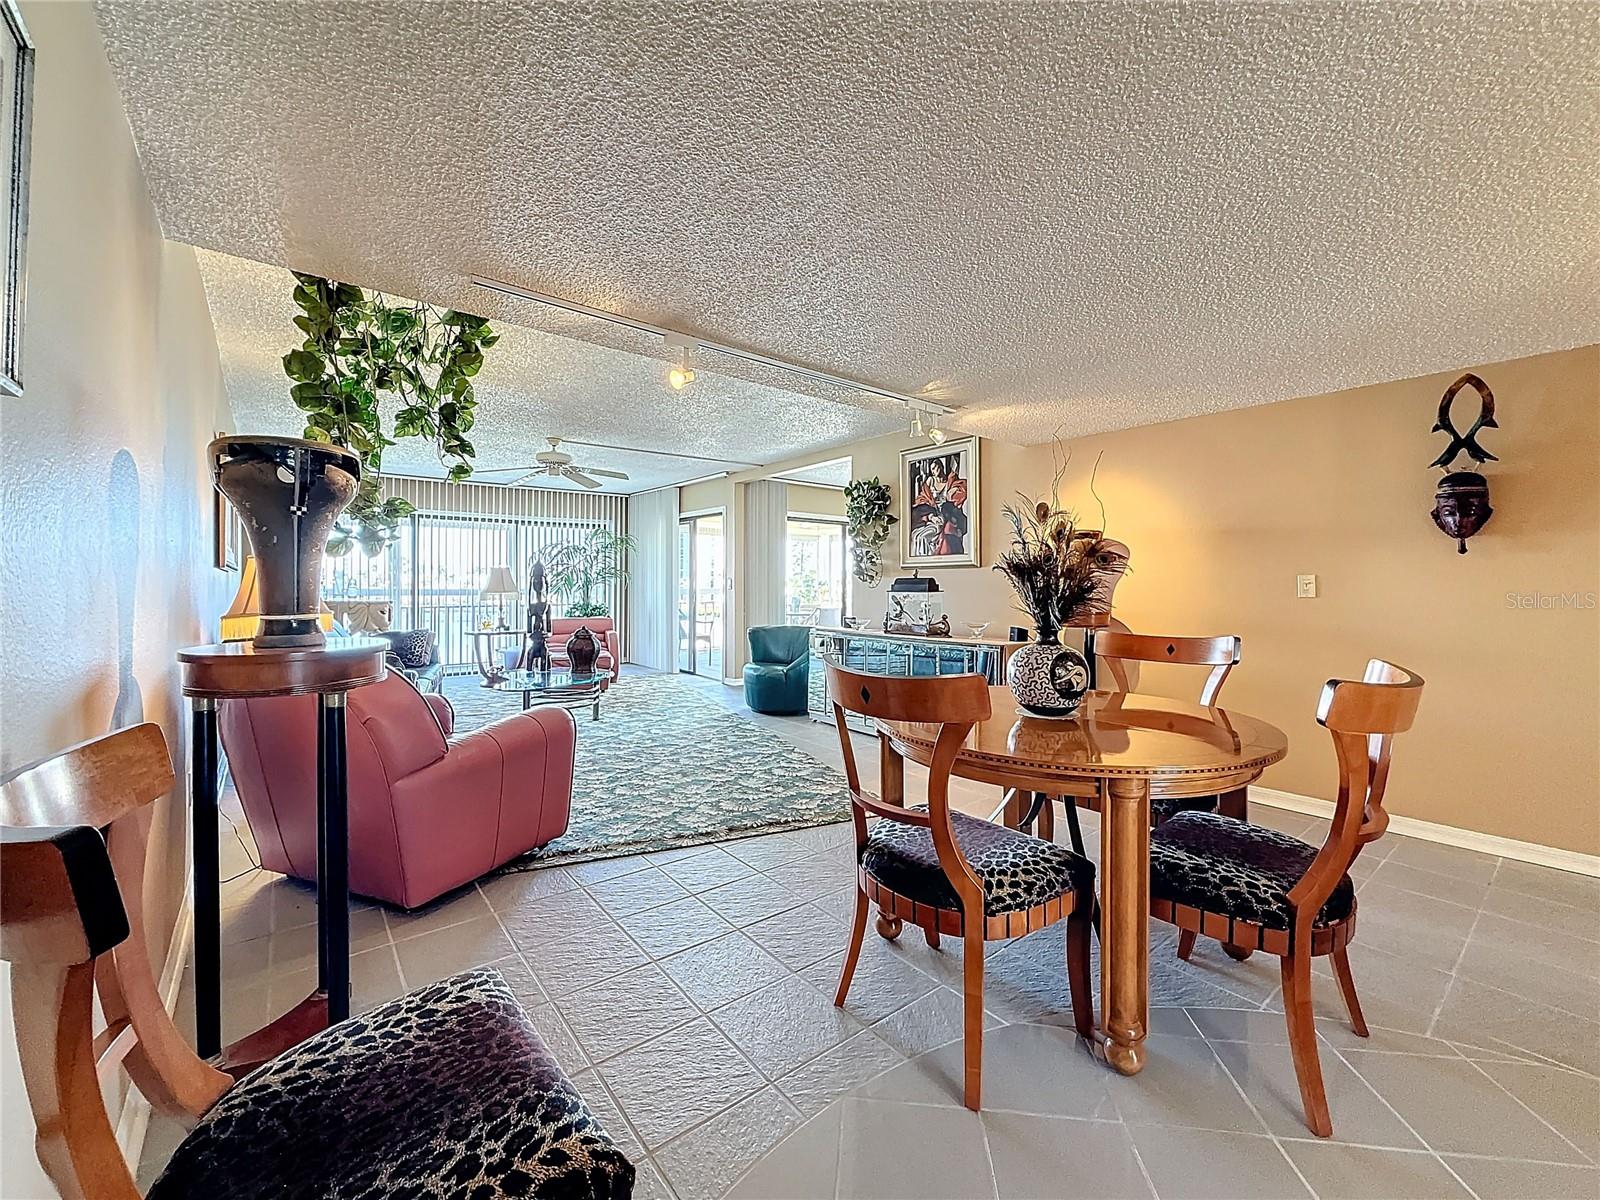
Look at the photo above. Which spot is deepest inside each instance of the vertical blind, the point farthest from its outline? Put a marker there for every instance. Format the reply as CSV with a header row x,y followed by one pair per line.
x,y
433,573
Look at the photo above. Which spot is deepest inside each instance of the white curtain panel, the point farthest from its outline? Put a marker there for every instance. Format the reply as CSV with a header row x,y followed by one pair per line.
x,y
653,580
766,538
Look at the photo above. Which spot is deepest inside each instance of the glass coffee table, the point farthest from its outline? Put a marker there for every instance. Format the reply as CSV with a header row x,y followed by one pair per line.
x,y
554,689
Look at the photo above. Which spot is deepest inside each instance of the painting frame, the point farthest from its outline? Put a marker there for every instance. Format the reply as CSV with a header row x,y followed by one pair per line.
x,y
955,541
16,127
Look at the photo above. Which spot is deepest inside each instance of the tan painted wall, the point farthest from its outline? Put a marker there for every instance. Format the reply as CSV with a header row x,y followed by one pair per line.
x,y
815,501
1223,511
105,527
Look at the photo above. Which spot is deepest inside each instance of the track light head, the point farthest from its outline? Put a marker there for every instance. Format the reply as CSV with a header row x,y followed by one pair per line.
x,y
916,423
680,375
937,436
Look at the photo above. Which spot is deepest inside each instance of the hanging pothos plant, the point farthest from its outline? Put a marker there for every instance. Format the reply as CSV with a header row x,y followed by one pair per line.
x,y
364,348
867,520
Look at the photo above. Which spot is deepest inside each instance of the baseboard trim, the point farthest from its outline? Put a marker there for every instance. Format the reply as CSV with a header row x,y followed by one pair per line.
x,y
1446,835
133,1122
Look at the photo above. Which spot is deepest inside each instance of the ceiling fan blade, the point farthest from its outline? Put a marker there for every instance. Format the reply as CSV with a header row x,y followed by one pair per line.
x,y
580,478
605,474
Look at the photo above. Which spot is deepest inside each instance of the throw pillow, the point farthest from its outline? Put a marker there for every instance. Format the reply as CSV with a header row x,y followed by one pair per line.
x,y
412,647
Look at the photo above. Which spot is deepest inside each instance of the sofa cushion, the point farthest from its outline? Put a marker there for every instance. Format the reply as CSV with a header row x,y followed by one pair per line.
x,y
1234,869
448,1091
1017,869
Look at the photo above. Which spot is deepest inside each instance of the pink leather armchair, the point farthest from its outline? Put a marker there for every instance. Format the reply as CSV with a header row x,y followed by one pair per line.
x,y
605,632
428,812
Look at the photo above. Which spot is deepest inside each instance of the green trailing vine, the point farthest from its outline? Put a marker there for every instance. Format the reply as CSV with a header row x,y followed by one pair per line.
x,y
362,348
867,520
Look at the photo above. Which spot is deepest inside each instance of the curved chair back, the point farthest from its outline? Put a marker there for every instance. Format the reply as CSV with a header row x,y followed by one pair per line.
x,y
1363,716
1219,653
68,930
953,702
779,643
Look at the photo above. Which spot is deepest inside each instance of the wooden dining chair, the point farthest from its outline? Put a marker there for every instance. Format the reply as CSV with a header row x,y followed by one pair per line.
x,y
446,1090
1116,648
944,871
1253,888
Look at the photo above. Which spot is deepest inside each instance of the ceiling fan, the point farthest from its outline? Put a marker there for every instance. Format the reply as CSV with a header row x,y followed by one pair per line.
x,y
557,463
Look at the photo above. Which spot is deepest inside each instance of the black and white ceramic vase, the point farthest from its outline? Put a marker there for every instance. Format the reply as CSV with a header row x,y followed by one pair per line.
x,y
1047,678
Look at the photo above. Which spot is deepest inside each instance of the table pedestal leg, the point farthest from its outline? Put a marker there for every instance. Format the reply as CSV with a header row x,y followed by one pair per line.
x,y
207,882
1125,921
333,857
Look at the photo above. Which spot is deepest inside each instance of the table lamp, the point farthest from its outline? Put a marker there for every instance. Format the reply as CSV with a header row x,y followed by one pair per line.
x,y
500,583
240,622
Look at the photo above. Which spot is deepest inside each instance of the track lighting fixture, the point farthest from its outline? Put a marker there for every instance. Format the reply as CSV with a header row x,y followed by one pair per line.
x,y
681,374
921,429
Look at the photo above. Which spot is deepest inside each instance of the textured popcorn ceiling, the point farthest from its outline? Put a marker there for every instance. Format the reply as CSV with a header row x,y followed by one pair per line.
x,y
536,385
1065,216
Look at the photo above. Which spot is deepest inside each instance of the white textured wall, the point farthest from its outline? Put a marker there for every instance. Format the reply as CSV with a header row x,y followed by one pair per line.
x,y
105,525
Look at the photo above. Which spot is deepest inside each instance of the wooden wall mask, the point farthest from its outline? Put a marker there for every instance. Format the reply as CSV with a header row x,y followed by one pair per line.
x,y
1461,504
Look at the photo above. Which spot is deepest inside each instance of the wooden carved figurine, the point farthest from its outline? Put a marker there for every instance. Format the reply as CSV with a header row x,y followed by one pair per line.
x,y
536,652
1461,503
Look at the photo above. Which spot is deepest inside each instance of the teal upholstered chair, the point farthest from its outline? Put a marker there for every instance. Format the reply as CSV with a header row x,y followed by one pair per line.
x,y
775,676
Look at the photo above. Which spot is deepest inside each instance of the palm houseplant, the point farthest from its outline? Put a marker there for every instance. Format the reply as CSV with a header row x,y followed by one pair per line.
x,y
582,569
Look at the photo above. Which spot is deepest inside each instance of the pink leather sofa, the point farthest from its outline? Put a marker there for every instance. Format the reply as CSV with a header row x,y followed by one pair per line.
x,y
561,628
428,811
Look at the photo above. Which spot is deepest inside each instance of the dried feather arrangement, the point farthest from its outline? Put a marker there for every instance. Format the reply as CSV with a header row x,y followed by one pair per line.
x,y
1059,571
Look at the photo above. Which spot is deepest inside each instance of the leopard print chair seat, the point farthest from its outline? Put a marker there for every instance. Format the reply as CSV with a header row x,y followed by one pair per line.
x,y
1237,870
1018,870
445,1093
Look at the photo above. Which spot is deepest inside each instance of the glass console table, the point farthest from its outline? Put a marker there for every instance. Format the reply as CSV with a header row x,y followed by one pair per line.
x,y
899,654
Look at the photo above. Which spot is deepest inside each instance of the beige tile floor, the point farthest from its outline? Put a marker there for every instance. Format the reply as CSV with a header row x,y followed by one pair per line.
x,y
689,994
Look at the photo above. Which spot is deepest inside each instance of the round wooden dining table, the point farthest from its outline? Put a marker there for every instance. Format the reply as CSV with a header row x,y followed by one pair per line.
x,y
1119,749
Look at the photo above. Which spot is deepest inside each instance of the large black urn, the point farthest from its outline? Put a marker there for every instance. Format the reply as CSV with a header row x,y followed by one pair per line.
x,y
288,492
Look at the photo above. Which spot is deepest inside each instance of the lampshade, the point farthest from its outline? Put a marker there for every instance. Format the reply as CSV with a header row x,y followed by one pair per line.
x,y
501,582
240,622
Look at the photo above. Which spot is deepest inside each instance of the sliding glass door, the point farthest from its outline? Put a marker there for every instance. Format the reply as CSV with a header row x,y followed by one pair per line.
x,y
701,579
433,575
816,588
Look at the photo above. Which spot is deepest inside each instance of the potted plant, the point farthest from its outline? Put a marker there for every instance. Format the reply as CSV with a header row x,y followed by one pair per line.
x,y
362,348
579,568
867,521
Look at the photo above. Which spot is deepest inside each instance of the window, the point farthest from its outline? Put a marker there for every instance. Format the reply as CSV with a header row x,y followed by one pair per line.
x,y
817,588
433,573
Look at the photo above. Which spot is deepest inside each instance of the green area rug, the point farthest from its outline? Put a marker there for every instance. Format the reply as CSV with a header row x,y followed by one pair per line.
x,y
665,766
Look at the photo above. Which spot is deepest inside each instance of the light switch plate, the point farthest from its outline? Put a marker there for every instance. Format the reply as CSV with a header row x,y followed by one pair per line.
x,y
1305,587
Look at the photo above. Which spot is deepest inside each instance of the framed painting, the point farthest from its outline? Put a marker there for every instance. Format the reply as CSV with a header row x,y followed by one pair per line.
x,y
16,123
939,492
229,533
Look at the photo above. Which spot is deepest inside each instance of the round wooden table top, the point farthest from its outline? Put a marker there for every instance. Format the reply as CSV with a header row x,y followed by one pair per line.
x,y
237,670
1113,734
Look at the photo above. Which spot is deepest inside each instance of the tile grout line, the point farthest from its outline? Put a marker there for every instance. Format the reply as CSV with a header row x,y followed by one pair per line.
x,y
1578,1149
1254,1111
1477,917
1384,1100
